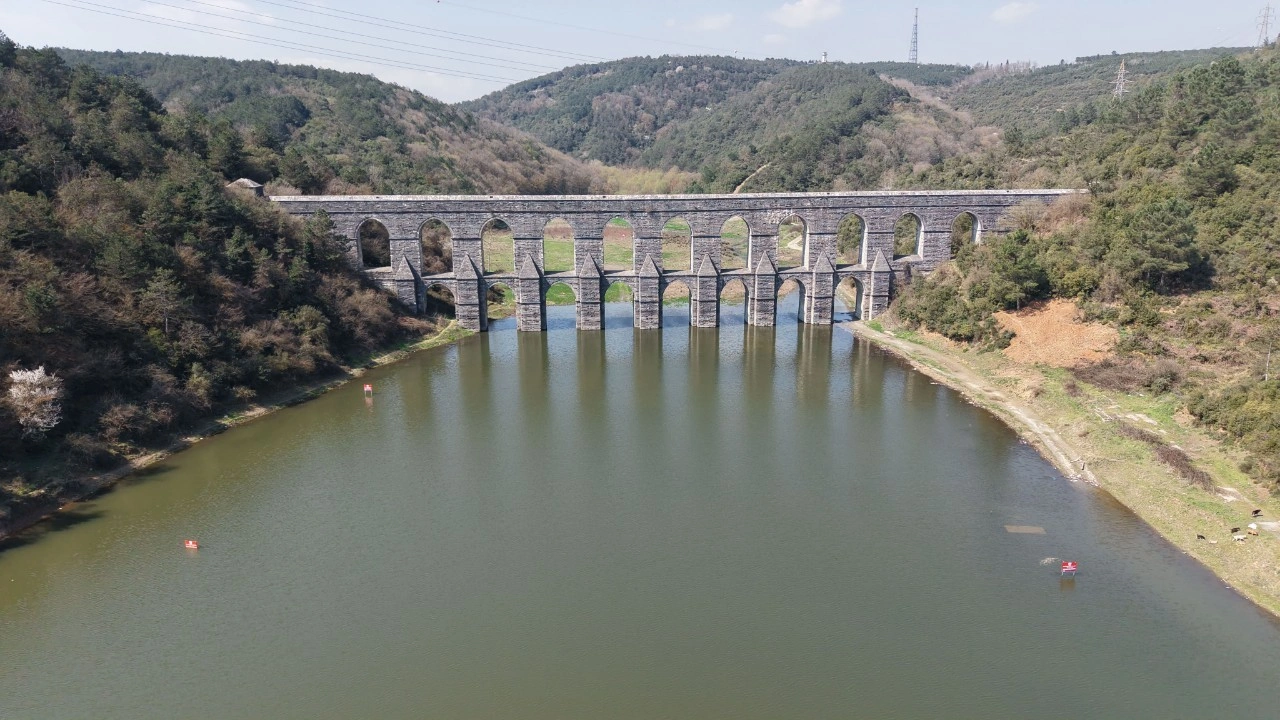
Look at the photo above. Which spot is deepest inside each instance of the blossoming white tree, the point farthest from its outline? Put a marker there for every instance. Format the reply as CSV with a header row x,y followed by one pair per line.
x,y
36,398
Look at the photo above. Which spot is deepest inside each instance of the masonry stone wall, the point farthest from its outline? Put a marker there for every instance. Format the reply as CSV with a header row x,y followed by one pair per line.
x,y
875,273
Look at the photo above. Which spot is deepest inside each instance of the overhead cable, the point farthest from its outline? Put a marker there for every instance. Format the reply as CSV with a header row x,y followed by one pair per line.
x,y
433,32
286,44
598,31
281,21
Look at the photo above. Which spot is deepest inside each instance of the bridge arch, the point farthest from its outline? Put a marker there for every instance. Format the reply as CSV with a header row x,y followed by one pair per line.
x,y
793,242
735,244
677,245
435,239
793,286
676,292
501,293
560,292
619,244
439,298
851,240
908,236
849,294
737,294
498,246
966,229
559,246
618,290
374,242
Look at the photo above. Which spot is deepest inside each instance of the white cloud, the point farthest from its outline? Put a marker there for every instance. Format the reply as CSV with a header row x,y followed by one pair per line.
x,y
1013,12
774,39
803,13
713,22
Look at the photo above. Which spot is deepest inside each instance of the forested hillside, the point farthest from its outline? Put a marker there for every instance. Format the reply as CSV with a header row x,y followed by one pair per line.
x,y
825,126
1179,245
324,131
150,293
1059,97
693,112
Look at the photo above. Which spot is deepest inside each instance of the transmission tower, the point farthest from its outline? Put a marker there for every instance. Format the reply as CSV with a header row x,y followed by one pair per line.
x,y
1121,83
1264,25
914,58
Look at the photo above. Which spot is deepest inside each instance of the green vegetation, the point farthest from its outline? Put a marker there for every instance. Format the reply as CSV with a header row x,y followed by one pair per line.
x,y
718,124
1059,97
156,296
1176,246
611,111
302,129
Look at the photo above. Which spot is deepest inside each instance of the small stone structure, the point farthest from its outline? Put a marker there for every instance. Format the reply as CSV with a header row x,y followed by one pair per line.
x,y
875,275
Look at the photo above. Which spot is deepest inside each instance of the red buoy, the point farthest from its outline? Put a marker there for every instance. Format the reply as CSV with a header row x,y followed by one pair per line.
x,y
191,544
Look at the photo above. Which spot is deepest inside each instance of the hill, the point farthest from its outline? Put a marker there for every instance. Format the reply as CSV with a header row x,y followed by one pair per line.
x,y
324,131
1057,97
137,294
722,117
1176,248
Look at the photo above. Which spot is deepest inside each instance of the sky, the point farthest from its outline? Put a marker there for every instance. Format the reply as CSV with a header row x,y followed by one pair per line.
x,y
458,50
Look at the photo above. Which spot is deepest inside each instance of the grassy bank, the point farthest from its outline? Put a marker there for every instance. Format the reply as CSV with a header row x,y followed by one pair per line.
x,y
1114,441
44,501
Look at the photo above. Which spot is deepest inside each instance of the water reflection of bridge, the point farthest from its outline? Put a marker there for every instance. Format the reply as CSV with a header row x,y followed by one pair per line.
x,y
870,265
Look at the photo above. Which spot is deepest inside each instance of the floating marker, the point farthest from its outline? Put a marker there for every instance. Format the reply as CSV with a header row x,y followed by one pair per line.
x,y
1069,567
191,544
368,389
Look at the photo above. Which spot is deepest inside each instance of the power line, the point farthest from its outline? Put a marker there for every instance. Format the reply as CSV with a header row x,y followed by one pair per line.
x,y
506,63
1264,26
600,31
432,32
286,44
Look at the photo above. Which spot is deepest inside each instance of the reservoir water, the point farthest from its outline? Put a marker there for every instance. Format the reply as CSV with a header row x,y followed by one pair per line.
x,y
732,523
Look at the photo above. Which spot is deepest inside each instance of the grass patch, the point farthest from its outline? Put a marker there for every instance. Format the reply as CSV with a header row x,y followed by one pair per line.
x,y
560,294
617,292
557,256
618,256
499,251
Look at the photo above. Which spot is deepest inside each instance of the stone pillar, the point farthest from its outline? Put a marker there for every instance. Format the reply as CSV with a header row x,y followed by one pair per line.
x,y
587,247
935,245
818,245
527,246
762,296
468,246
818,304
531,305
404,283
590,295
646,247
875,297
704,295
647,303
470,294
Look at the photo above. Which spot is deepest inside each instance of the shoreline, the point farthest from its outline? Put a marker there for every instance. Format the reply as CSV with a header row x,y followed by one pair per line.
x,y
1077,442
83,487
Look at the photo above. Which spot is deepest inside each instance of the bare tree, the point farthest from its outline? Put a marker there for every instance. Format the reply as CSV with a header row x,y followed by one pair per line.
x,y
36,398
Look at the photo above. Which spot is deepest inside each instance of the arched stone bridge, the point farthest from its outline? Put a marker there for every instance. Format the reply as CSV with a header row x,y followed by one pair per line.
x,y
875,273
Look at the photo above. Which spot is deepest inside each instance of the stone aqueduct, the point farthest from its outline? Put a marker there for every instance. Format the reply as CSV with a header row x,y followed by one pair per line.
x,y
876,273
